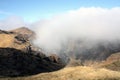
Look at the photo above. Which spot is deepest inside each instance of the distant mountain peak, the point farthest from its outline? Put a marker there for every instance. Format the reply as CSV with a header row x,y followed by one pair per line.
x,y
22,30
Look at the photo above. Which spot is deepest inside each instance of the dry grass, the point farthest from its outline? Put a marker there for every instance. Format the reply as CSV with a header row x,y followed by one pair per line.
x,y
74,73
112,62
8,40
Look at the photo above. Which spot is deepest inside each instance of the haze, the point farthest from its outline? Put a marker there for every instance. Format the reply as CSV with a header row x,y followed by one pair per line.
x,y
89,24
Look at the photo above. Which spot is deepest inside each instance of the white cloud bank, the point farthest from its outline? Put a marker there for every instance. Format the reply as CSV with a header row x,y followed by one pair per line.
x,y
93,24
87,23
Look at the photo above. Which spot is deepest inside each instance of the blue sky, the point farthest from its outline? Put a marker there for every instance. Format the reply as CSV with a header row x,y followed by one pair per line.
x,y
33,10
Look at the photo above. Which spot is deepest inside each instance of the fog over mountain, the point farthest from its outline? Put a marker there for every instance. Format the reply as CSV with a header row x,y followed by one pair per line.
x,y
90,25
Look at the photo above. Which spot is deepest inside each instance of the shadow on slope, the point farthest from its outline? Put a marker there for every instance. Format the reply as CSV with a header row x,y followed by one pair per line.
x,y
15,62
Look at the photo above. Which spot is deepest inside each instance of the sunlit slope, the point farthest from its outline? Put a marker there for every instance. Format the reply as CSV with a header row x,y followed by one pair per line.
x,y
112,62
18,38
9,40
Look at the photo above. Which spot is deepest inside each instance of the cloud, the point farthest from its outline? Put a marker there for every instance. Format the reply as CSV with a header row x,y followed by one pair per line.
x,y
12,22
92,24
